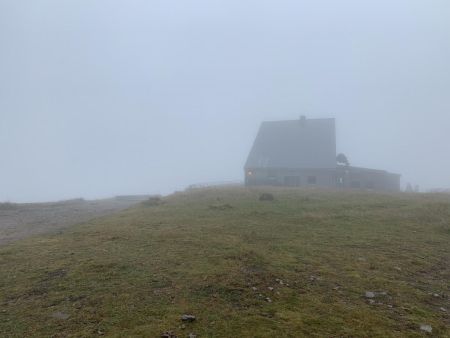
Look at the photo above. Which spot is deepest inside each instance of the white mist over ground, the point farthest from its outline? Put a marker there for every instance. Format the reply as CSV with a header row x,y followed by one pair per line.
x,y
100,98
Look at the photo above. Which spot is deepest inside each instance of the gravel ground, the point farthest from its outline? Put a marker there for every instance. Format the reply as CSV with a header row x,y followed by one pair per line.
x,y
19,221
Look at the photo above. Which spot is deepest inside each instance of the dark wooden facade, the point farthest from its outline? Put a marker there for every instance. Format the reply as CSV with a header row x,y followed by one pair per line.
x,y
302,153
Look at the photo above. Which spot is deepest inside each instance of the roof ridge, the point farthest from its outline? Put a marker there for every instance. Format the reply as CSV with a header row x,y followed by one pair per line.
x,y
307,119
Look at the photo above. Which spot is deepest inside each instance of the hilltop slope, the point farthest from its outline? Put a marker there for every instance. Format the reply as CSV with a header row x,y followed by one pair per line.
x,y
19,221
217,254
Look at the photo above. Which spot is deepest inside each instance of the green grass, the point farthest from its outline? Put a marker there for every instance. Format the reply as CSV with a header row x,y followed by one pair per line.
x,y
202,252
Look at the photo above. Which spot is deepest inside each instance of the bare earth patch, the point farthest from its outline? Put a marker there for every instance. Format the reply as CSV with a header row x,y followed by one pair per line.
x,y
18,221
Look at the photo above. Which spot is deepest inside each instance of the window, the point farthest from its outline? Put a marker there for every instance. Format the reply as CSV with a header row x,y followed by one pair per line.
x,y
370,185
292,181
312,180
355,184
272,173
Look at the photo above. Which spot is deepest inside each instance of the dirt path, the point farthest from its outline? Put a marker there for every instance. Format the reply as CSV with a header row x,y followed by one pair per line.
x,y
18,221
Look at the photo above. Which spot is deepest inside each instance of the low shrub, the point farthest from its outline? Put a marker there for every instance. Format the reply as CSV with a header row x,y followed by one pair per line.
x,y
266,197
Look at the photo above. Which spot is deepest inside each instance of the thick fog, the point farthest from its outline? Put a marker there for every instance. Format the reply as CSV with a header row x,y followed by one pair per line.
x,y
100,98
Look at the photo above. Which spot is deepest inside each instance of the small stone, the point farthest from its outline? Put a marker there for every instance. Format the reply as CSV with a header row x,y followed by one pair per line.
x,y
188,318
254,288
436,295
426,328
268,300
192,335
370,294
260,295
361,259
182,326
371,301
390,306
336,288
60,315
397,268
443,309
270,288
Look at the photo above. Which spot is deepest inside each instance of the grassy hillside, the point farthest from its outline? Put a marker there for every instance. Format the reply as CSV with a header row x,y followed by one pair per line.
x,y
217,254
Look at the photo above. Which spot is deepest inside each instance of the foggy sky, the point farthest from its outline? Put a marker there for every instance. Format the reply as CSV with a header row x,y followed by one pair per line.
x,y
100,98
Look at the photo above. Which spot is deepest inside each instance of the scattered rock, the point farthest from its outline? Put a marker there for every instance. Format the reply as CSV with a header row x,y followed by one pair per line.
x,y
361,259
371,301
390,306
220,206
270,288
443,309
168,334
254,288
266,197
268,300
192,335
182,326
397,268
60,315
436,295
426,328
279,281
188,318
373,294
370,294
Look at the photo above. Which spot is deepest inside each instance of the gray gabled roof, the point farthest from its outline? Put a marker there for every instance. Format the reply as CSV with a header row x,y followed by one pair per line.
x,y
303,143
